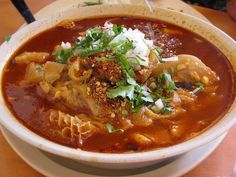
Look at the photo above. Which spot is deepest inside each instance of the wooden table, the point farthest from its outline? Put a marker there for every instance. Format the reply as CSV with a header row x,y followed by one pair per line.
x,y
221,163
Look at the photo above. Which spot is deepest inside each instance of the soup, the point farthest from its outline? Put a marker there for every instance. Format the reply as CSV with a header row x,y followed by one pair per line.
x,y
118,84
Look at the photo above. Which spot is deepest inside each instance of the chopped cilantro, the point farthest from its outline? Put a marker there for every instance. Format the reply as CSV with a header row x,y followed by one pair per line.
x,y
88,51
165,82
39,69
85,43
131,81
95,41
125,65
198,89
147,98
166,100
62,56
137,108
7,38
111,129
157,51
123,46
121,82
105,40
122,91
164,86
99,41
117,29
136,94
139,59
92,3
166,110
95,33
104,59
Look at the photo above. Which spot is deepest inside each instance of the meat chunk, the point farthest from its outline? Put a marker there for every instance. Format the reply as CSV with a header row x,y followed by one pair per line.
x,y
33,73
188,68
71,94
72,127
77,73
52,71
143,74
27,57
141,139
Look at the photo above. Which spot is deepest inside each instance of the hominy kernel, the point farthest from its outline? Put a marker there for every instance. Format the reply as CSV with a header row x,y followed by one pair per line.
x,y
205,80
113,115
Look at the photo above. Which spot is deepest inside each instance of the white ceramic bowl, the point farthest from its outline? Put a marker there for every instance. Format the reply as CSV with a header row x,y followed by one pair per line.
x,y
124,160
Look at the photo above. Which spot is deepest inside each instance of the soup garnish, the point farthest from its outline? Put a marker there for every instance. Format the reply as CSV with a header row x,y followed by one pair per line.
x,y
117,84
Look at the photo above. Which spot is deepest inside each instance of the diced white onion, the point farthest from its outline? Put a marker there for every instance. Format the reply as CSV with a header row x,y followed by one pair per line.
x,y
176,98
108,27
66,45
96,43
174,58
80,38
159,104
142,46
144,62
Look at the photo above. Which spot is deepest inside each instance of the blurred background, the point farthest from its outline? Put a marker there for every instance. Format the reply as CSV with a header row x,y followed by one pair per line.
x,y
221,5
214,4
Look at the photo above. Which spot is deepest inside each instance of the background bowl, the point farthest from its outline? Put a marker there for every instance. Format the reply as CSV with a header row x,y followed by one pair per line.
x,y
124,160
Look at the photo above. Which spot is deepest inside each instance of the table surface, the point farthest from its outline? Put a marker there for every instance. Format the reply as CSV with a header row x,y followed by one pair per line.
x,y
221,163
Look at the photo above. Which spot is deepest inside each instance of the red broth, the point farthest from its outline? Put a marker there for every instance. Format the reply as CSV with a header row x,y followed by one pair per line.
x,y
26,103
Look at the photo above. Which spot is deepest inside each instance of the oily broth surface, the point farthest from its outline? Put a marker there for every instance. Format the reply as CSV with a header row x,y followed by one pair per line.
x,y
27,110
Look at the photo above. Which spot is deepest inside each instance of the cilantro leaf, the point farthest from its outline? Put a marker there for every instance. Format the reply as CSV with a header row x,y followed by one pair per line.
x,y
96,41
121,82
125,65
87,51
117,29
142,97
105,40
139,59
198,89
111,129
166,110
85,43
166,100
165,82
104,59
137,95
39,69
123,46
62,56
169,83
158,51
131,81
122,91
94,33
147,98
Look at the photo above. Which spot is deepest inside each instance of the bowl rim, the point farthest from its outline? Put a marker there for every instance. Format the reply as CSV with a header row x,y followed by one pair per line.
x,y
42,143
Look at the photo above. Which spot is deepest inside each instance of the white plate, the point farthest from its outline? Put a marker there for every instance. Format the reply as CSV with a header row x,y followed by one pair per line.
x,y
55,166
